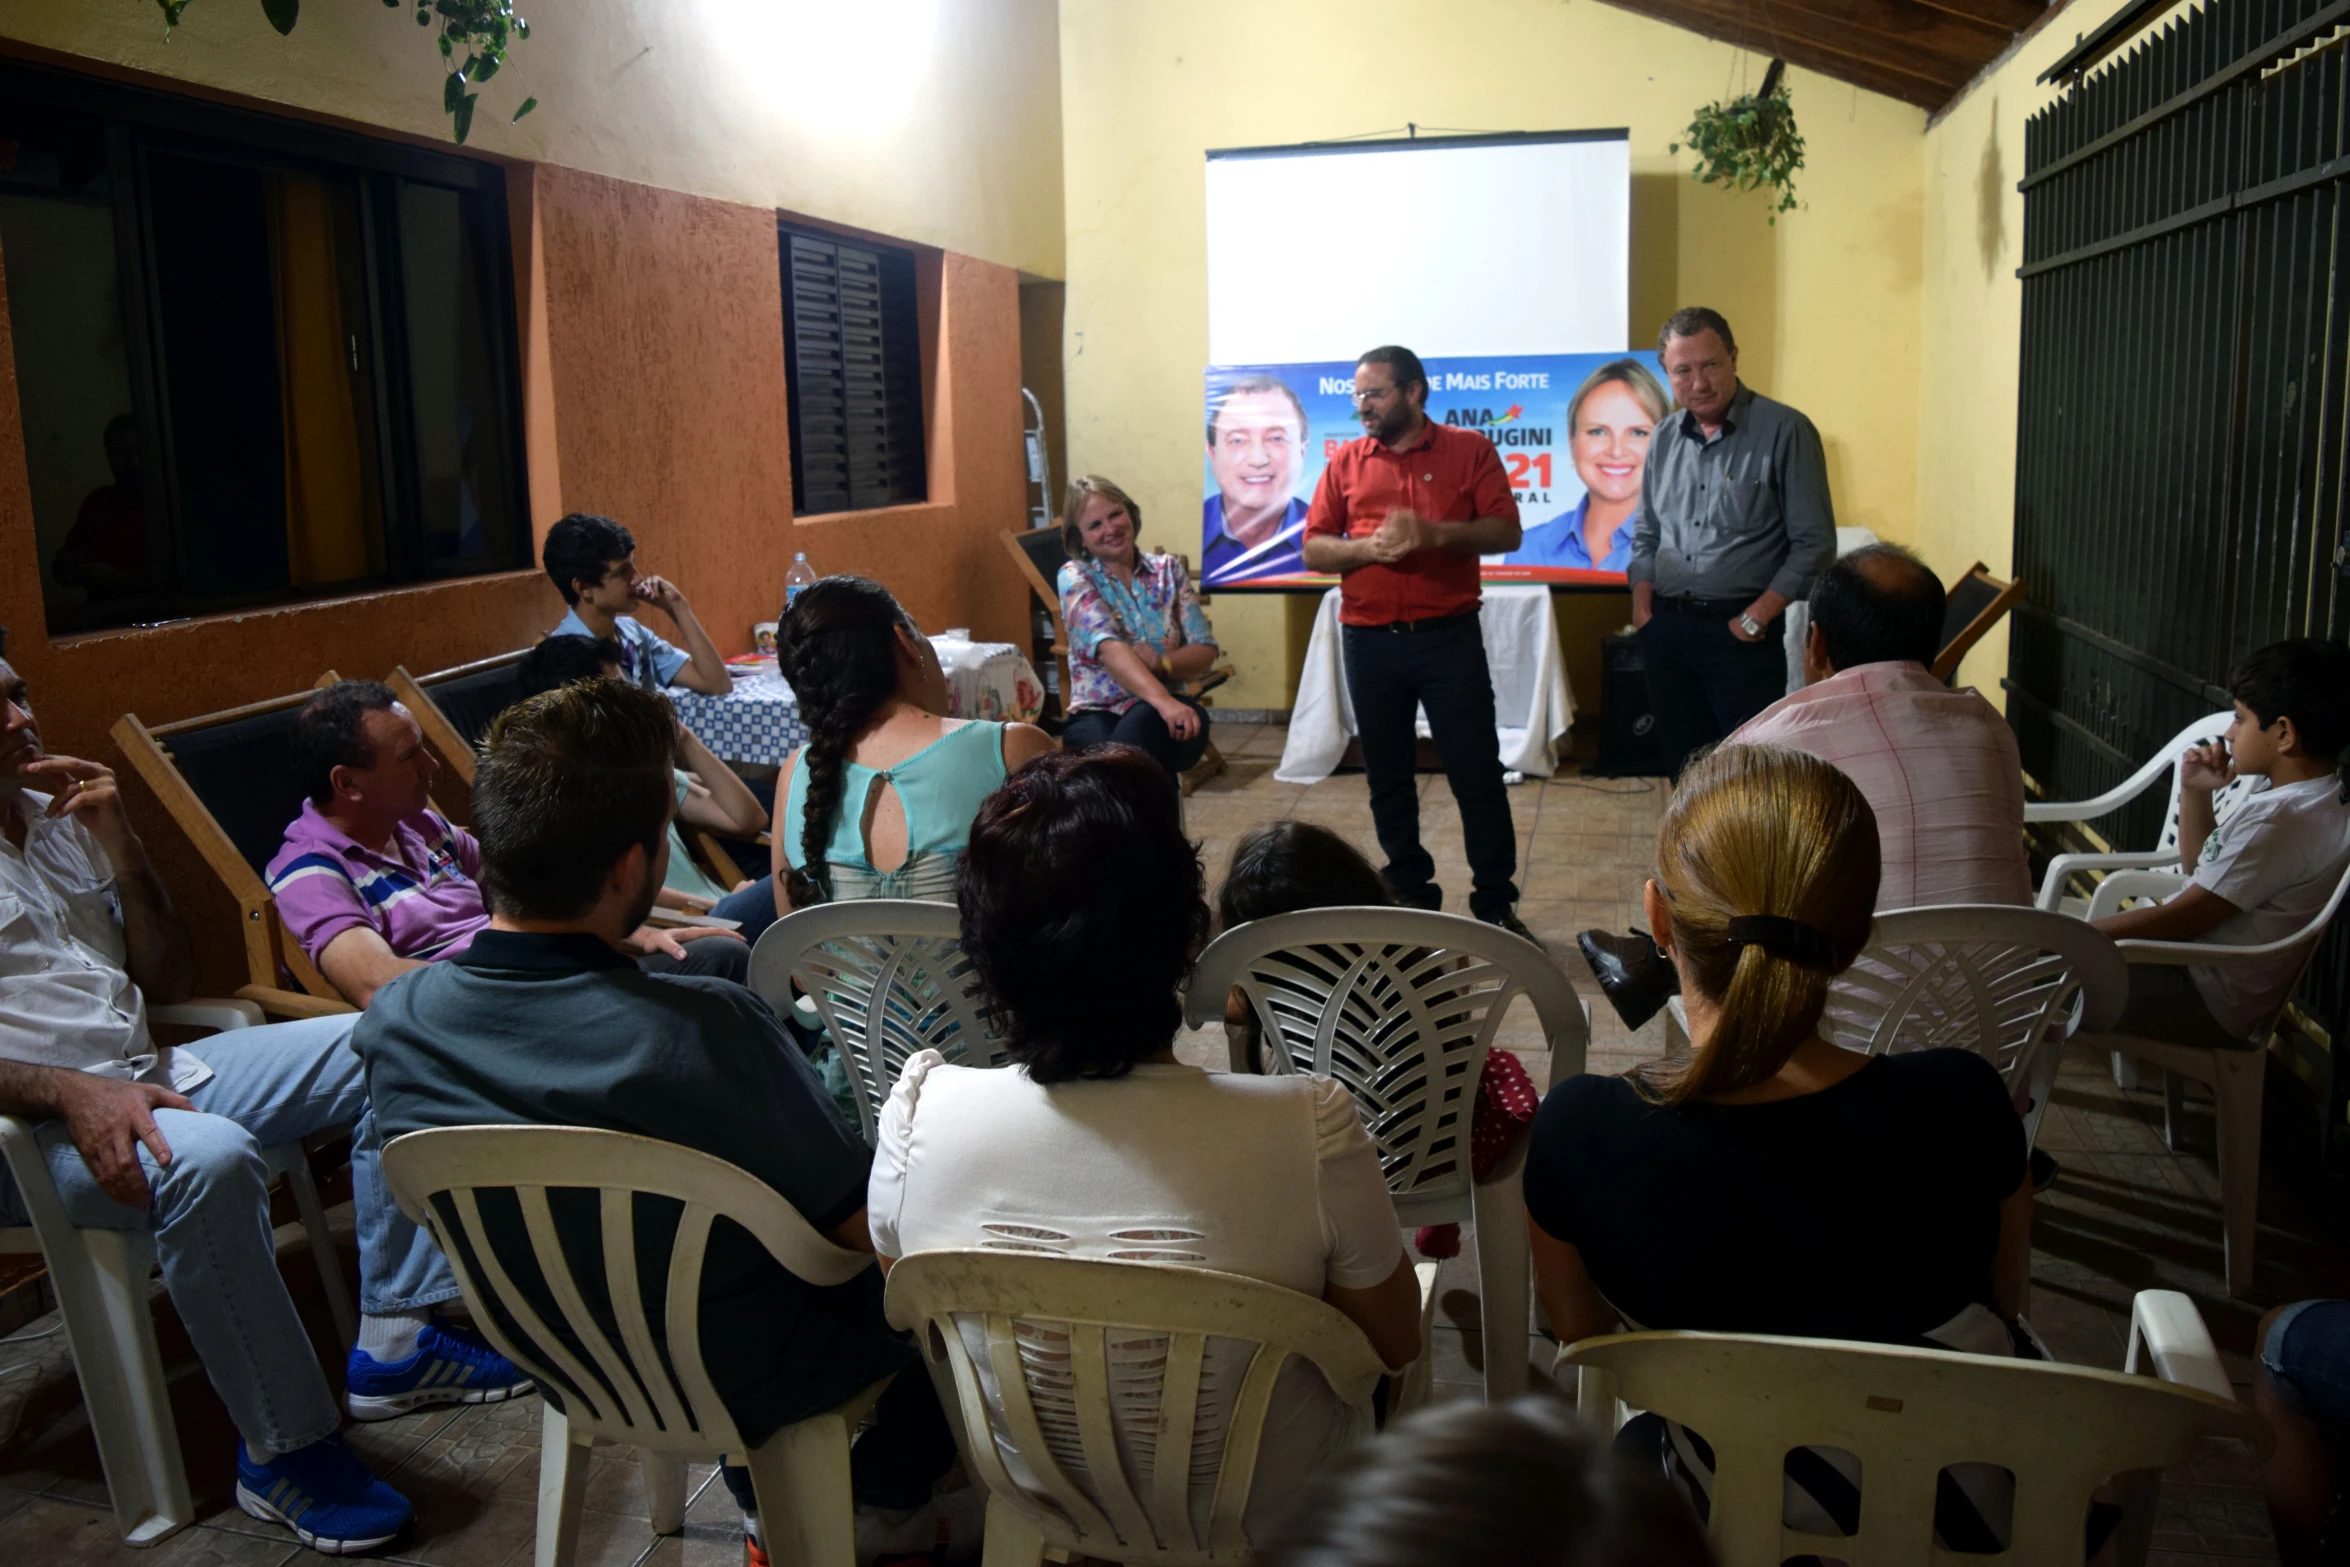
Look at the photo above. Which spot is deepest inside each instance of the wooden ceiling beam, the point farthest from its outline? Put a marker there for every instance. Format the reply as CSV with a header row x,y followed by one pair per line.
x,y
1928,85
1897,37
2011,16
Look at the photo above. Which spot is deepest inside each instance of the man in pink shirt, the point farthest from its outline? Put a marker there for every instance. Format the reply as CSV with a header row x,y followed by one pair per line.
x,y
1937,766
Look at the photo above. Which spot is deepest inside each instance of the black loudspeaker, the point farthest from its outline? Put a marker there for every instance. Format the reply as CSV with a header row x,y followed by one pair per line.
x,y
1627,730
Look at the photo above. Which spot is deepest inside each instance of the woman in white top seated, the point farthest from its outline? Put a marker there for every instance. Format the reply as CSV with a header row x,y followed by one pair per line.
x,y
1083,907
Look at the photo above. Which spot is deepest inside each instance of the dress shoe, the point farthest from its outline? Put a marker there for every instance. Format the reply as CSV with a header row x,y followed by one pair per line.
x,y
1633,973
1507,919
1427,896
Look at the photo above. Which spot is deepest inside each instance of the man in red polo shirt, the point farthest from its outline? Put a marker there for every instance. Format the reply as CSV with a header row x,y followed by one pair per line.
x,y
1402,515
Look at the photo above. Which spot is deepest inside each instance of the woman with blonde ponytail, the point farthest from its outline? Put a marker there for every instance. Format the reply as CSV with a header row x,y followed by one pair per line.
x,y
1764,1180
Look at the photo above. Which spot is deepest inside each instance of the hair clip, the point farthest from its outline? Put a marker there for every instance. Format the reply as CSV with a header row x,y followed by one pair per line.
x,y
1782,937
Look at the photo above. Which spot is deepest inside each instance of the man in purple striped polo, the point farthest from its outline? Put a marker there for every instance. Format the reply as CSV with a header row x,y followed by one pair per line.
x,y
373,882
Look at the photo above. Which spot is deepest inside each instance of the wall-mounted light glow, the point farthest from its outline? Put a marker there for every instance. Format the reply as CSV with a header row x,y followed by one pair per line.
x,y
846,65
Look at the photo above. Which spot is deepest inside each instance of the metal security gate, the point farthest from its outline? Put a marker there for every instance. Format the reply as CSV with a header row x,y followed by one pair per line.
x,y
2182,436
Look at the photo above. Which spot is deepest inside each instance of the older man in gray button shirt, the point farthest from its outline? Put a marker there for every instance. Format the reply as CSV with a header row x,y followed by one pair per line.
x,y
1734,523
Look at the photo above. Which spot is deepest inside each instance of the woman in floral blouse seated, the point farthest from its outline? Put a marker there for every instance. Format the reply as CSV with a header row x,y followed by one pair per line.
x,y
1136,632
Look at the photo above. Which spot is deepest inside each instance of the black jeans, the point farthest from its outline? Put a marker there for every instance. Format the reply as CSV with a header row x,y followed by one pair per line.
x,y
1703,682
1391,675
1139,726
721,957
907,1450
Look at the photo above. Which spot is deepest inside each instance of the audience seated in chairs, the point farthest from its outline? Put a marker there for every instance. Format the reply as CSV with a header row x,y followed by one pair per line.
x,y
709,794
1765,1181
540,1021
2271,868
1083,907
1281,867
139,1134
374,882
1526,1483
886,778
1938,767
1136,632
593,563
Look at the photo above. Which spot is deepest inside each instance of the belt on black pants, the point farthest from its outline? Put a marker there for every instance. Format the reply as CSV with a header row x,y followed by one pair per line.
x,y
1433,623
1704,609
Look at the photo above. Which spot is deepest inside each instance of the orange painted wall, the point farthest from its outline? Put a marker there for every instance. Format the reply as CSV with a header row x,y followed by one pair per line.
x,y
665,328
658,386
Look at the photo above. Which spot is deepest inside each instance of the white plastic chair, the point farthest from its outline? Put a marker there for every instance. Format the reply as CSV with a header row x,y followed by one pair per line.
x,y
889,978
2164,763
1069,1340
1401,1005
2237,1077
2011,984
100,1277
635,1395
1907,1414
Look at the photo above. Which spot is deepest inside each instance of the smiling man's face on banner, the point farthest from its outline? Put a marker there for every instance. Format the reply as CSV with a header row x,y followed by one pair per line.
x,y
1259,441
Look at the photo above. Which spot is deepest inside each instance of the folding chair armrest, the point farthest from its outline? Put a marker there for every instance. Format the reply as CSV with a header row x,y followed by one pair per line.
x,y
2121,885
2063,867
217,1015
2112,799
292,1003
2168,1340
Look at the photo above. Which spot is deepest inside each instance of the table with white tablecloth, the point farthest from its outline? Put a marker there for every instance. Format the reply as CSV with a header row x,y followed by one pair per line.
x,y
1532,705
758,723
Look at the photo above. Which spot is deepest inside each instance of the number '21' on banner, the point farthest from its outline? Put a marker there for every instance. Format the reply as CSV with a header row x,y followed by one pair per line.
x,y
1572,432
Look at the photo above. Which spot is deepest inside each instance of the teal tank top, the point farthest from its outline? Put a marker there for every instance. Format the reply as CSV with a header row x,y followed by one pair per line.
x,y
940,787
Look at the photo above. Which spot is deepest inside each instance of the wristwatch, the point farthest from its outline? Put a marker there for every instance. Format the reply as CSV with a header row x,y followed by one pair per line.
x,y
1752,627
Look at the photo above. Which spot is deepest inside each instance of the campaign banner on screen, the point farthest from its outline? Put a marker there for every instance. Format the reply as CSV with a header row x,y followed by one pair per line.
x,y
1571,430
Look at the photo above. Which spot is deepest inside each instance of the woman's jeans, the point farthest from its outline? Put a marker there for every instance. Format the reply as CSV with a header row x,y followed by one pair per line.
x,y
1139,726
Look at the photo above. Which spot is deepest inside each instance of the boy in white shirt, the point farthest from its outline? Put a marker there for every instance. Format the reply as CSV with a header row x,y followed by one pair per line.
x,y
2270,869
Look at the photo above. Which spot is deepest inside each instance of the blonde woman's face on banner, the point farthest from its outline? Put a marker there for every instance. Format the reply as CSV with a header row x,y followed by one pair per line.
x,y
1610,442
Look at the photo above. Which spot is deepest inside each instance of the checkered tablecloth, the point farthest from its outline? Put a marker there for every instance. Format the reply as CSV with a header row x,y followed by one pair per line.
x,y
759,722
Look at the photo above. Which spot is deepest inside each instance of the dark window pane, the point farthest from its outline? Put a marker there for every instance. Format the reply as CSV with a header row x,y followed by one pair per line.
x,y
81,442
465,485
218,331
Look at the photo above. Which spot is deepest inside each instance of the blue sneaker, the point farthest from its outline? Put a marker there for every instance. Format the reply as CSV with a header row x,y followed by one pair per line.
x,y
450,1366
331,1501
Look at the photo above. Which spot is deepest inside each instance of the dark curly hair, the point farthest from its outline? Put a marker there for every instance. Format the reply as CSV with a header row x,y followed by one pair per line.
x,y
584,547
837,646
1083,908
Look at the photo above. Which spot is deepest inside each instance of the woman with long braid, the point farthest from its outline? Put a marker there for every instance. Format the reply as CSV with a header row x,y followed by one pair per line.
x,y
879,802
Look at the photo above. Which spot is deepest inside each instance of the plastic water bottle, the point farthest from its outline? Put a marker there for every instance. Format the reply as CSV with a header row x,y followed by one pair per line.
x,y
800,576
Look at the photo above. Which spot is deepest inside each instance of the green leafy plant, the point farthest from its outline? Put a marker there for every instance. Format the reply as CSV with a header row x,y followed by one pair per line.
x,y
483,30
1750,143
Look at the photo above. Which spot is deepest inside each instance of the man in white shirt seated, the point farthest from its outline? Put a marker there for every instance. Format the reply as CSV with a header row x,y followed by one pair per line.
x,y
139,1135
1938,767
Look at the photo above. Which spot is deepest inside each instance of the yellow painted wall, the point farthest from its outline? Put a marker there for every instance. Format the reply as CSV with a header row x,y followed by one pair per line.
x,y
1972,334
955,144
1825,304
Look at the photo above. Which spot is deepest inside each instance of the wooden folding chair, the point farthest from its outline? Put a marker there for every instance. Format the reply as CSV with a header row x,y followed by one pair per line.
x,y
454,706
1975,604
1040,557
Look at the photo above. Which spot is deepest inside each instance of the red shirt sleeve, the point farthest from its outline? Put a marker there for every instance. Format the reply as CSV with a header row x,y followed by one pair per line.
x,y
1489,487
1326,517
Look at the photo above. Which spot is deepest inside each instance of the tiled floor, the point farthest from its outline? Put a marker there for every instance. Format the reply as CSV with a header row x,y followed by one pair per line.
x,y
2128,1214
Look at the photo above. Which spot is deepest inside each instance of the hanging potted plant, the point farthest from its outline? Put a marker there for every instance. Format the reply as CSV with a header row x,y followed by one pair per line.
x,y
1750,142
